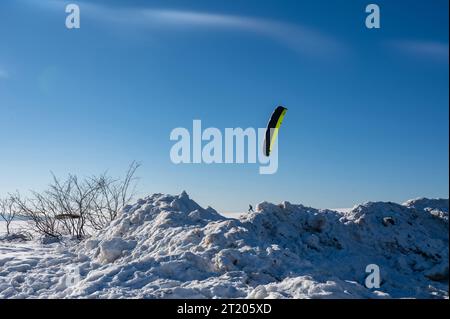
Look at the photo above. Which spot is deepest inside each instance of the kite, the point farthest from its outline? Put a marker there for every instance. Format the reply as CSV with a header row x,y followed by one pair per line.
x,y
272,128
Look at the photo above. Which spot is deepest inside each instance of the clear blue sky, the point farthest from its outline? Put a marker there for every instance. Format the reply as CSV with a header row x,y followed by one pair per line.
x,y
368,109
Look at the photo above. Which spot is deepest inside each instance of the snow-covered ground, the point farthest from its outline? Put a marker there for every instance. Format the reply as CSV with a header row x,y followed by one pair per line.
x,y
167,246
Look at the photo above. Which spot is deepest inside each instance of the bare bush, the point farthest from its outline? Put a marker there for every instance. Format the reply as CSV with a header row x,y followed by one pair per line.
x,y
41,211
8,211
72,206
112,196
73,200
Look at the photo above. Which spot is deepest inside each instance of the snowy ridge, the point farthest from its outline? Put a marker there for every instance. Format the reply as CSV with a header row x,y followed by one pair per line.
x,y
169,247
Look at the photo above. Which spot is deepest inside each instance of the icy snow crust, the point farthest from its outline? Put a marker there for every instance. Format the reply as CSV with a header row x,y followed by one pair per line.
x,y
169,247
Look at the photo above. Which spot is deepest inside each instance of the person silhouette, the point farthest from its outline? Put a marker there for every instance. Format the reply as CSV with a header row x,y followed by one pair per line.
x,y
250,208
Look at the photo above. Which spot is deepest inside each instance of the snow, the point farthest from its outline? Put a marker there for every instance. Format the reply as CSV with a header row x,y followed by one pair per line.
x,y
113,248
168,246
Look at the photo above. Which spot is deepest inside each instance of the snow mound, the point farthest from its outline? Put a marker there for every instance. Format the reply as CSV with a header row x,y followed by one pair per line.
x,y
168,246
436,207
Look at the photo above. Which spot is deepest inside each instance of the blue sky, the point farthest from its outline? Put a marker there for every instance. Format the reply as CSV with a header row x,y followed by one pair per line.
x,y
368,109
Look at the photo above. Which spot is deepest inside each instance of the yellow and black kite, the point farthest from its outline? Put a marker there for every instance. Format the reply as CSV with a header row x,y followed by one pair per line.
x,y
272,128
